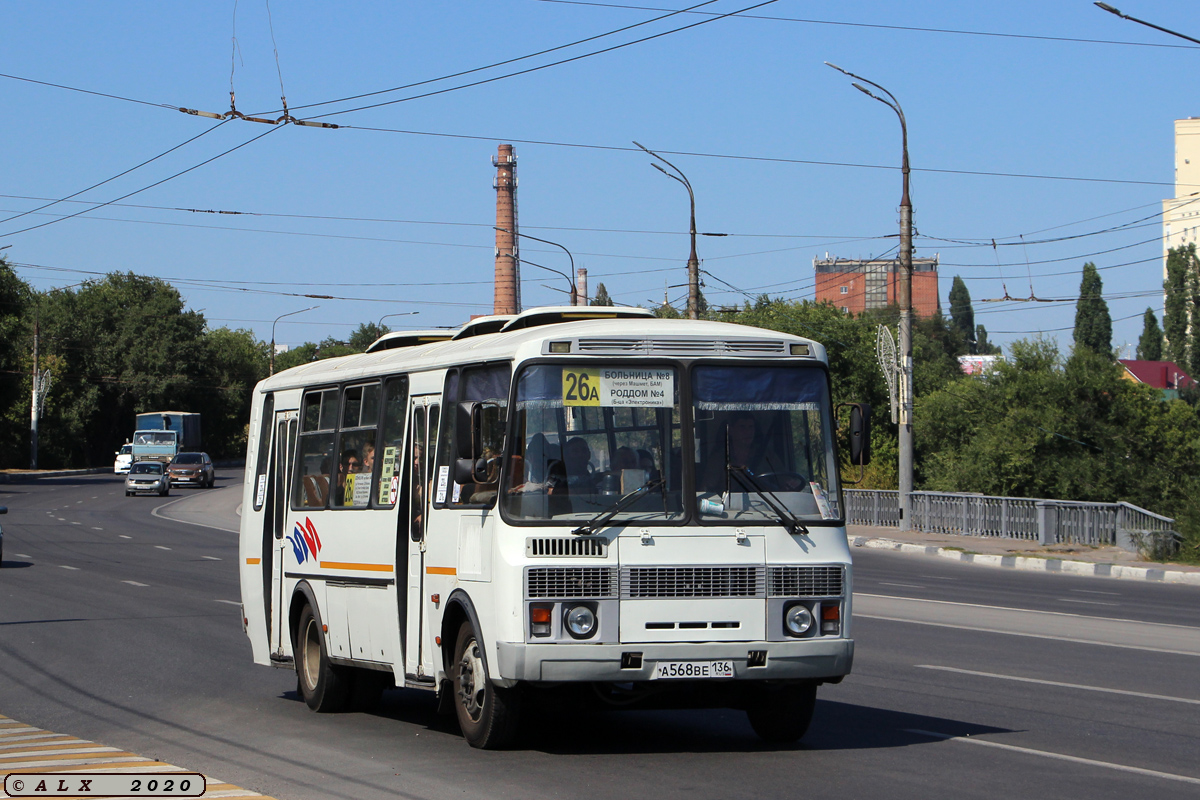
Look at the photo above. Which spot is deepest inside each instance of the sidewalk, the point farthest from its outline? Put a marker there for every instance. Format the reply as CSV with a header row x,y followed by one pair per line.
x,y
1110,562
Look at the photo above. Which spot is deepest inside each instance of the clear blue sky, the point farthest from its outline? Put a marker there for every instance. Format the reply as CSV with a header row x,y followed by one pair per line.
x,y
754,88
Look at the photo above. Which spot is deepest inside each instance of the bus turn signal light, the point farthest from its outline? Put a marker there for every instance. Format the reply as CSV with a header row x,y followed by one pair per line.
x,y
539,620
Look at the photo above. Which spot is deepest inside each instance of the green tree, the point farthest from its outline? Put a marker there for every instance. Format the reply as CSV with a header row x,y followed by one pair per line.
x,y
666,311
15,345
1178,315
1150,344
234,362
601,297
982,346
308,352
366,334
962,315
1093,324
117,346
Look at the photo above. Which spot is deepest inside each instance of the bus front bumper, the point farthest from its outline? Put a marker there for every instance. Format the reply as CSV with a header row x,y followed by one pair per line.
x,y
812,659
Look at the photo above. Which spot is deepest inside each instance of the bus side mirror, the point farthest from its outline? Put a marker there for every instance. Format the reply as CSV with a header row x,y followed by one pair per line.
x,y
860,434
466,432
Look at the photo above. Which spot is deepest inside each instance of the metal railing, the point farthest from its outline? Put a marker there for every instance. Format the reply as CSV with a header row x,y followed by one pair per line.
x,y
1037,520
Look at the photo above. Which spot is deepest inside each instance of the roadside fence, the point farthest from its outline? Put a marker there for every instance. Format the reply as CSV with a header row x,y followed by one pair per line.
x,y
1036,520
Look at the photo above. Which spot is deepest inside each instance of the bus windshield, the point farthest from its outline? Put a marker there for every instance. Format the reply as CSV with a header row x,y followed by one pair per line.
x,y
764,443
588,436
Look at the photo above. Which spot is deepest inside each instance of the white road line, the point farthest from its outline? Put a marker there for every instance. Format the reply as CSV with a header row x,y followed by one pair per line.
x,y
160,547
76,523
905,585
1086,602
97,529
74,762
1060,757
210,558
123,536
61,519
55,738
154,513
1060,684
24,555
1094,591
65,750
228,602
64,566
135,583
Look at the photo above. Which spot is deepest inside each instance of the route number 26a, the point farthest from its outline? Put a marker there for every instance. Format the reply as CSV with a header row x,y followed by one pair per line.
x,y
581,388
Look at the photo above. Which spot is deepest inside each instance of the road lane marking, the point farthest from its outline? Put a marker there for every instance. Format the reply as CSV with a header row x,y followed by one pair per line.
x,y
76,523
61,519
156,509
160,547
1095,591
64,566
230,602
1086,602
1082,686
210,558
24,747
24,555
97,529
135,583
1058,756
123,536
905,585
1057,626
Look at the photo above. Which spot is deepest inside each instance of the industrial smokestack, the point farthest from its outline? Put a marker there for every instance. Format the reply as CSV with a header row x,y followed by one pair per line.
x,y
507,295
581,285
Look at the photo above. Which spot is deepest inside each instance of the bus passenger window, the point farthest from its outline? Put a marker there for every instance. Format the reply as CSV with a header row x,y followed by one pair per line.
x,y
395,405
356,447
476,385
314,460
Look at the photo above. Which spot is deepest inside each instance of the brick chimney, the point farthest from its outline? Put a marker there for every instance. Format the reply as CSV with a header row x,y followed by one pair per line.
x,y
507,297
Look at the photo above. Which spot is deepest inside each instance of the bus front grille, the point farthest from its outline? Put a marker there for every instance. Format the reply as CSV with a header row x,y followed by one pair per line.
x,y
557,547
570,582
823,581
652,582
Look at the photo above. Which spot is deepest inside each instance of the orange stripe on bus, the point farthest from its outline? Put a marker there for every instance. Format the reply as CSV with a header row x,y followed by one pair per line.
x,y
441,571
253,560
361,567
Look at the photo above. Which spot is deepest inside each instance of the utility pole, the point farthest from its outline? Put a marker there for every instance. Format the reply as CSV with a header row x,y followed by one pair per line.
x,y
693,305
904,292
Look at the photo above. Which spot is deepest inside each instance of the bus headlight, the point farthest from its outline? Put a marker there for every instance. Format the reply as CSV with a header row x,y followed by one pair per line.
x,y
580,622
797,620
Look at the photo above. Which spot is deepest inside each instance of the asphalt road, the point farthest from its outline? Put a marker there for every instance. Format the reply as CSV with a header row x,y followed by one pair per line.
x,y
121,626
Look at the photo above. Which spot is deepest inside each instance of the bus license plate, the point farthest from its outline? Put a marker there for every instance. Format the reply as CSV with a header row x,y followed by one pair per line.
x,y
692,669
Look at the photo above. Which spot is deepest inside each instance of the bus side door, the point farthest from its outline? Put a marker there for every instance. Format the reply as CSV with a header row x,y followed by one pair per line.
x,y
283,455
422,443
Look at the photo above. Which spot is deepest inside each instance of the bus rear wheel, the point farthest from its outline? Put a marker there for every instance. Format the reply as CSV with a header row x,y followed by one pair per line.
x,y
486,714
323,686
781,713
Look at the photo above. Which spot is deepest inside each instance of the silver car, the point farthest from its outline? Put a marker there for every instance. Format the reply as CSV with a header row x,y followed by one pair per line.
x,y
148,476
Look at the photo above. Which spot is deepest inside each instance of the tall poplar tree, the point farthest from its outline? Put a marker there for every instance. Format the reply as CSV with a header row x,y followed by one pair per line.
x,y
1150,345
1093,323
1179,313
601,297
962,315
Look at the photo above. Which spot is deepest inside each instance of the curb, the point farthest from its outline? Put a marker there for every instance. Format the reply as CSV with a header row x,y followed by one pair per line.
x,y
1032,564
22,477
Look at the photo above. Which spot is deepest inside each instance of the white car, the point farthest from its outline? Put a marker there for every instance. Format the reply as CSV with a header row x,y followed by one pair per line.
x,y
124,459
148,476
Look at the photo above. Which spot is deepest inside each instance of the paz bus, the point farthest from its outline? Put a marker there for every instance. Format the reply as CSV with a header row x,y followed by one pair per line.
x,y
626,510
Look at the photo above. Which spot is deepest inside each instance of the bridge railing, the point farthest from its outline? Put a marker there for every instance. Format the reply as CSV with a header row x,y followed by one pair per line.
x,y
1033,519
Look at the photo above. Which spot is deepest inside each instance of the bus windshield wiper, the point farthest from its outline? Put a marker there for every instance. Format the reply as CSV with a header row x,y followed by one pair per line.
x,y
746,478
600,520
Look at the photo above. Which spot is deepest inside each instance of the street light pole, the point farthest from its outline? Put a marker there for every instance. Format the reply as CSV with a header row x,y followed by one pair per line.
x,y
904,290
398,314
281,316
693,261
571,281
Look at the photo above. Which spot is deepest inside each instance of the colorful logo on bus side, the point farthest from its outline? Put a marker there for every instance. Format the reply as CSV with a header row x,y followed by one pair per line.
x,y
305,542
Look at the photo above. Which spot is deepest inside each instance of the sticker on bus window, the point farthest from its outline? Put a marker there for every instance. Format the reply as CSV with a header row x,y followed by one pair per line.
x,y
611,387
442,485
822,501
261,493
388,475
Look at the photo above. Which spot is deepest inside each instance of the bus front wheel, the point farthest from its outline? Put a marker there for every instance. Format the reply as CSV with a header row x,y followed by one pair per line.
x,y
781,713
324,687
486,714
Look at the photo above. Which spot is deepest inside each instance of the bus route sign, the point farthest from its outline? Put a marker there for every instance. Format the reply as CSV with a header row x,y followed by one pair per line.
x,y
616,387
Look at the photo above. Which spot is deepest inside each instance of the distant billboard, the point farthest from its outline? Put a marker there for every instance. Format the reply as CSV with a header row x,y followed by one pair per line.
x,y
978,365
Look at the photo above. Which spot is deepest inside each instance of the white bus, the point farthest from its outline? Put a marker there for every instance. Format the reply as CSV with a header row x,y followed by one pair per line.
x,y
568,499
